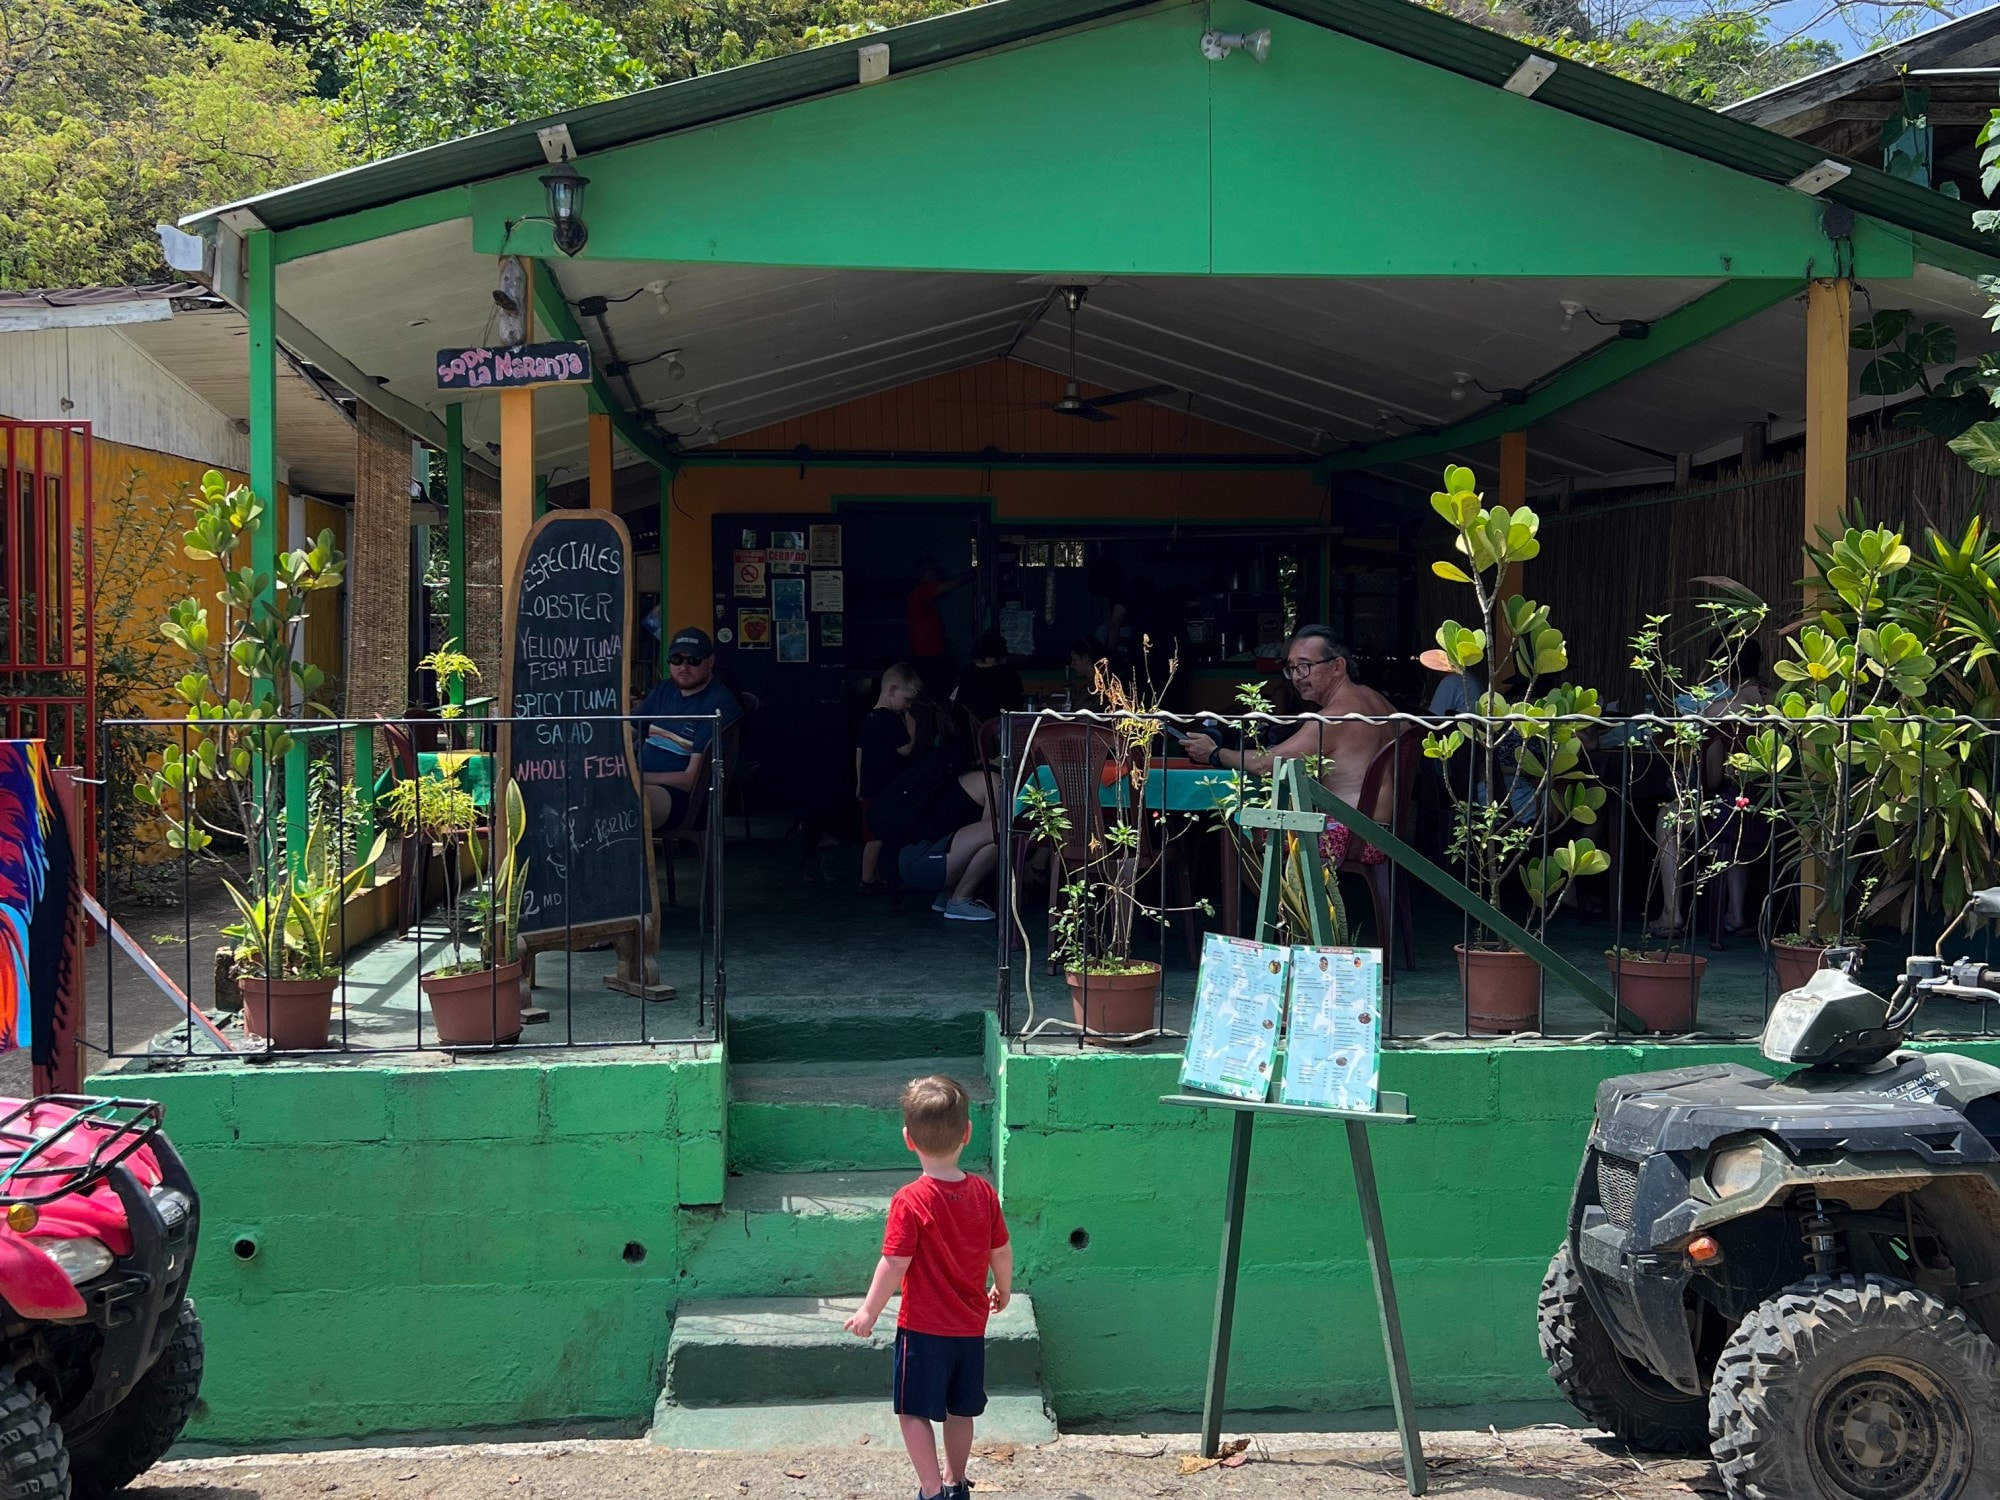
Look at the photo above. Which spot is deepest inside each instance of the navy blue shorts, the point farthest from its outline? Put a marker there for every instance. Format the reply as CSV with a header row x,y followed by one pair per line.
x,y
938,1376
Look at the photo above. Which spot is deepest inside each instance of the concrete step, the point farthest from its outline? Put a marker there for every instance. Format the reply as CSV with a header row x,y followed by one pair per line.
x,y
845,1116
793,1233
1011,1417
737,1351
806,1037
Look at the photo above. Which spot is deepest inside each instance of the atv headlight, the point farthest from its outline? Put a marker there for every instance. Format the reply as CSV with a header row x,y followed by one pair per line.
x,y
81,1260
1736,1170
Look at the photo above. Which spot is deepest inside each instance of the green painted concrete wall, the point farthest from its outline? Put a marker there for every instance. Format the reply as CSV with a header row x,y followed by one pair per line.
x,y
443,1247
1474,1199
438,1247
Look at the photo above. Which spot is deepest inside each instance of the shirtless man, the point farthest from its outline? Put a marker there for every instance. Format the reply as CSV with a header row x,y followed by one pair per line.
x,y
1319,668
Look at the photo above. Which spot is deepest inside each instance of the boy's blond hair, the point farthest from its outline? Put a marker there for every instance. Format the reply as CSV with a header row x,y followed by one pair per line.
x,y
904,675
935,1112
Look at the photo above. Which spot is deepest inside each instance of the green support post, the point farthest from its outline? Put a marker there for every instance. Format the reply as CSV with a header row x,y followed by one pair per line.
x,y
541,496
454,484
364,784
261,278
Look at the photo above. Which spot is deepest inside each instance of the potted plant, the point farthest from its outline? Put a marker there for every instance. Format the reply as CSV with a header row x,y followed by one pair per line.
x,y
1529,778
287,957
1863,777
242,677
475,1001
1113,996
1703,834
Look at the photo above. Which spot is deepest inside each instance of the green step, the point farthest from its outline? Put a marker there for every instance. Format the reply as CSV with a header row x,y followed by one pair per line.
x,y
735,1351
795,1233
810,1036
1021,1417
822,1116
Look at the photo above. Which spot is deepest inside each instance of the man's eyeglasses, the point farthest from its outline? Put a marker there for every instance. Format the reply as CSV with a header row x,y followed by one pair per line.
x,y
1303,668
685,661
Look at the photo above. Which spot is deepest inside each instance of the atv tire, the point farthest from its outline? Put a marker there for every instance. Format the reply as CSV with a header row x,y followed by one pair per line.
x,y
1625,1399
33,1463
137,1433
1857,1388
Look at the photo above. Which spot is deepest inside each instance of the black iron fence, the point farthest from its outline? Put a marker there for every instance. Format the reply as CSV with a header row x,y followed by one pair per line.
x,y
1584,877
342,864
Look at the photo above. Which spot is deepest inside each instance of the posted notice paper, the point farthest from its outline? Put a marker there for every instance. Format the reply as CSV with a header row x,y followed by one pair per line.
x,y
1333,1046
1238,1003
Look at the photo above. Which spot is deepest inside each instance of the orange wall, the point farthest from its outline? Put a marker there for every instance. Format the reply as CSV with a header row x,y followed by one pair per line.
x,y
997,405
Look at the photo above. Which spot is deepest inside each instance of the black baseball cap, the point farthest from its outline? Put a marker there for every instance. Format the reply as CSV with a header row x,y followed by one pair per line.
x,y
691,642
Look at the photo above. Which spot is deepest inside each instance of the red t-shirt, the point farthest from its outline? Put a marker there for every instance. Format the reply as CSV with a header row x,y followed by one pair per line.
x,y
950,1231
926,621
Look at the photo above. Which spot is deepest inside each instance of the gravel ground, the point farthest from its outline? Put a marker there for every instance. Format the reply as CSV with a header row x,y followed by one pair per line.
x,y
1469,1465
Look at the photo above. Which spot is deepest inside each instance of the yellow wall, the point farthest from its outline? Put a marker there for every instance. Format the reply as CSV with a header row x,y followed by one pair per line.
x,y
142,503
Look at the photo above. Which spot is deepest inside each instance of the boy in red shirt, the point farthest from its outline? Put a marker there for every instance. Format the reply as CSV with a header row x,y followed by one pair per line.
x,y
945,1234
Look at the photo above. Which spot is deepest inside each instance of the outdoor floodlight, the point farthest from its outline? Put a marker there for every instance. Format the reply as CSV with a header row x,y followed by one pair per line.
x,y
565,187
1817,179
1216,45
1531,75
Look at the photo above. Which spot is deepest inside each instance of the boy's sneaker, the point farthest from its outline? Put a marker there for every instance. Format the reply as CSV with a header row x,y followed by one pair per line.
x,y
968,911
960,1491
943,900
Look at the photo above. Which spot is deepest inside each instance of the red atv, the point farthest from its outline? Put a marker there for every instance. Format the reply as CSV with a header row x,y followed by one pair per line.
x,y
100,1350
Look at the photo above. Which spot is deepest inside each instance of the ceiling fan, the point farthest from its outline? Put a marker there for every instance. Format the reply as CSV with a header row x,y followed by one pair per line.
x,y
1091,408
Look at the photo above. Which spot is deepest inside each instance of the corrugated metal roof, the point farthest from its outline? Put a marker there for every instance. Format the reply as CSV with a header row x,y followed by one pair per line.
x,y
1393,24
1974,35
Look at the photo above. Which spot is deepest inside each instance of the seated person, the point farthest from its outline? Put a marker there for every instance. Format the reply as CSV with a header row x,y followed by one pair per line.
x,y
677,740
956,865
991,686
1344,736
887,740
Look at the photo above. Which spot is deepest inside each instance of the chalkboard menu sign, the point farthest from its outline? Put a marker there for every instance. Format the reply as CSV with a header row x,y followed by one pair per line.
x,y
587,845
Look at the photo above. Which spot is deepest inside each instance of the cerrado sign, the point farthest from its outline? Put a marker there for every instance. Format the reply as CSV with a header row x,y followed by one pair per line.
x,y
477,369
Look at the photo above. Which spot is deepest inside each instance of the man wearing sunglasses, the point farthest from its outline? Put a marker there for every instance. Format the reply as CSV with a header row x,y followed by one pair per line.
x,y
1320,669
679,737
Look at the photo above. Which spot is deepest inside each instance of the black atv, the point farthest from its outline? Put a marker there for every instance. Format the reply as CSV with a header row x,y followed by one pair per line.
x,y
1803,1273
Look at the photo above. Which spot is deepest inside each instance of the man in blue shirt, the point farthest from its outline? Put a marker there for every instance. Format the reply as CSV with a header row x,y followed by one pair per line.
x,y
677,739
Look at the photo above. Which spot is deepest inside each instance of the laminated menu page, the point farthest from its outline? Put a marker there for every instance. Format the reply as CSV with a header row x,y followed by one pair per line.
x,y
1334,1045
1238,1002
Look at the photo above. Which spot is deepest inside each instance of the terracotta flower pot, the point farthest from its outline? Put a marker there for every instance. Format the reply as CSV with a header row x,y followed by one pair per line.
x,y
1503,990
293,1015
1663,990
1795,963
480,1009
1116,1003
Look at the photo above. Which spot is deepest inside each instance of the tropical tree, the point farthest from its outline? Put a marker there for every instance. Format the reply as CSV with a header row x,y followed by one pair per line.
x,y
110,125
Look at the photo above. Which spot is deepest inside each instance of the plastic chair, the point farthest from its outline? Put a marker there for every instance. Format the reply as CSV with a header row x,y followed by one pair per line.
x,y
743,773
1402,758
711,800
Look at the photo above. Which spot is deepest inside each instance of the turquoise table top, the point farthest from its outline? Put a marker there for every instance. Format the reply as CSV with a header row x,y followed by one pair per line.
x,y
1182,789
474,768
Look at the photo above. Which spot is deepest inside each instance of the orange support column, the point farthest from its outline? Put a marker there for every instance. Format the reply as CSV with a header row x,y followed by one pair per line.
x,y
1827,315
600,460
517,462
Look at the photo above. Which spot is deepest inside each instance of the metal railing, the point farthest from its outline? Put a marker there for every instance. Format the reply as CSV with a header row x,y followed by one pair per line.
x,y
1774,834
411,914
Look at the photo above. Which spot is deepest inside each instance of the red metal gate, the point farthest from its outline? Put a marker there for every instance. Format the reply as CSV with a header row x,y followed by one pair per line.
x,y
48,651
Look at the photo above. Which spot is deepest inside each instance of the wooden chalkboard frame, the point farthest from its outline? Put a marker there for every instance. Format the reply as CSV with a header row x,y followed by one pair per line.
x,y
636,936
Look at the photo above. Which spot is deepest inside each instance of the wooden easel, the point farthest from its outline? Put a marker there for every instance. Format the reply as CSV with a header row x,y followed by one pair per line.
x,y
1295,811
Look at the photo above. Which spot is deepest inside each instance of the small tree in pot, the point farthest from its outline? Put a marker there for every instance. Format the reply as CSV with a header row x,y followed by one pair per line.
x,y
1707,830
1093,912
475,999
1528,777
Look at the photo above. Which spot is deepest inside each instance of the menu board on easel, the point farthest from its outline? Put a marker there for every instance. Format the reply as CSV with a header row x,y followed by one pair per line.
x,y
587,844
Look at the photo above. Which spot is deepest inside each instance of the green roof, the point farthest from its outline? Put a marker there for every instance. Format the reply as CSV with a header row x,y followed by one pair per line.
x,y
1396,25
